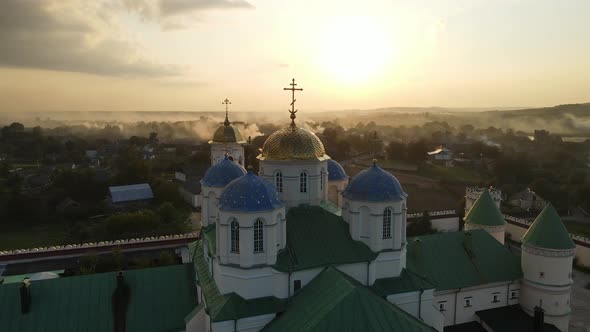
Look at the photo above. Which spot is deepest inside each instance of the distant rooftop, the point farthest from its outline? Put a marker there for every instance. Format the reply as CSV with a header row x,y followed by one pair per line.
x,y
132,192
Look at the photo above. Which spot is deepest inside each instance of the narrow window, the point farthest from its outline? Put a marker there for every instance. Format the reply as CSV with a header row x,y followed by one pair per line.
x,y
235,236
303,182
322,179
513,294
442,306
279,181
495,298
387,223
258,236
467,302
296,285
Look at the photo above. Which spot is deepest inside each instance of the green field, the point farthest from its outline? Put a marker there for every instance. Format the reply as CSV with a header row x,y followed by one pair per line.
x,y
578,228
30,238
452,174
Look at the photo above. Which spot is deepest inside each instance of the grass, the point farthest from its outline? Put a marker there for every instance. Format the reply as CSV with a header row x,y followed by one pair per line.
x,y
578,228
49,235
451,174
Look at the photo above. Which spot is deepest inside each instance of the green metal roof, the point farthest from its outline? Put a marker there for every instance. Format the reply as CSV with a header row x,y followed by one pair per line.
x,y
209,234
160,299
446,260
318,238
333,301
484,212
408,281
331,207
221,307
547,231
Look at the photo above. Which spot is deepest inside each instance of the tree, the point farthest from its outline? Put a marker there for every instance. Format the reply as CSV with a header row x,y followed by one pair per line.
x,y
396,151
421,226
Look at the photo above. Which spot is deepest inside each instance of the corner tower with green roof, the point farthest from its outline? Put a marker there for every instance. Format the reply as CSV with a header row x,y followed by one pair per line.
x,y
547,258
485,214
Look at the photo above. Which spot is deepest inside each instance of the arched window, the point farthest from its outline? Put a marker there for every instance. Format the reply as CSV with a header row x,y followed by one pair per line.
x,y
235,236
322,179
387,223
279,181
258,236
303,182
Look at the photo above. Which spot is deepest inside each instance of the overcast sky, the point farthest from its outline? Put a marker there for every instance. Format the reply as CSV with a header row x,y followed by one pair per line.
x,y
188,55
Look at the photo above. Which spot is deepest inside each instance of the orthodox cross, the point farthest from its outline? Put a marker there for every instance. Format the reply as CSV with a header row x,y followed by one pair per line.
x,y
293,110
226,102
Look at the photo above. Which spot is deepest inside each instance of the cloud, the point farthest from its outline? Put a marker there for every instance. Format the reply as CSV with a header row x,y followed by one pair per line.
x,y
71,36
179,14
175,7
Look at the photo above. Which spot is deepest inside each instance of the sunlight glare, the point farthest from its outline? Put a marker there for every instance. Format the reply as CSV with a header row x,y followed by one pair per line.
x,y
354,49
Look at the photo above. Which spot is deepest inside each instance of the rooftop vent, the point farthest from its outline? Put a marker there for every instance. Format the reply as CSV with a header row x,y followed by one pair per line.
x,y
25,295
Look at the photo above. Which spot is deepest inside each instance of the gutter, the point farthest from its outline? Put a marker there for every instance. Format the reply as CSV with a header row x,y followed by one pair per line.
x,y
420,304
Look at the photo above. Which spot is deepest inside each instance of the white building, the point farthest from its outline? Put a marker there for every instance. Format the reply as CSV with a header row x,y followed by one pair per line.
x,y
273,256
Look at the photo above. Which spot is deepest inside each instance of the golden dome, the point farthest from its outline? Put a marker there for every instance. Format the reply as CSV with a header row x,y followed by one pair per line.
x,y
292,143
227,134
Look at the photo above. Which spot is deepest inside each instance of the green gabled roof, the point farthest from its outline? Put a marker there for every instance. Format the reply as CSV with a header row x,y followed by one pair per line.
x,y
221,307
484,212
444,259
408,281
547,231
318,238
335,302
160,299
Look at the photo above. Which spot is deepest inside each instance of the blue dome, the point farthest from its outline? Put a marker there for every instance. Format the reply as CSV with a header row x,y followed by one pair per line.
x,y
335,171
222,173
374,185
250,193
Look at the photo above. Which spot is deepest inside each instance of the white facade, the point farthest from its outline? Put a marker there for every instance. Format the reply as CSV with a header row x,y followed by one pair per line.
x,y
368,223
335,189
209,200
297,181
220,149
547,282
241,250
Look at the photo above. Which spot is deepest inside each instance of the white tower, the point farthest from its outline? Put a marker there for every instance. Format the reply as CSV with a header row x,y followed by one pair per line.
x,y
227,141
251,228
337,182
295,161
485,214
547,257
375,209
212,185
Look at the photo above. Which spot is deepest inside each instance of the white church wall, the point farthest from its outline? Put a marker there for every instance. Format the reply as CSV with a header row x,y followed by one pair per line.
x,y
198,322
249,324
471,300
389,264
359,271
554,300
291,170
417,304
546,270
250,283
219,150
335,189
444,302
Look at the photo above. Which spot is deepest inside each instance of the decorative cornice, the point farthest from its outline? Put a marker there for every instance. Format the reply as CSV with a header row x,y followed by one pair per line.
x,y
547,252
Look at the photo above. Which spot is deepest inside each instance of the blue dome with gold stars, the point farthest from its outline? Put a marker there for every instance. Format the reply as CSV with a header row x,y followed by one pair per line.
x,y
222,173
335,171
250,193
374,185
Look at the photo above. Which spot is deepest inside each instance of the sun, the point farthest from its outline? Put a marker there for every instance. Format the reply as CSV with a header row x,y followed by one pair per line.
x,y
354,49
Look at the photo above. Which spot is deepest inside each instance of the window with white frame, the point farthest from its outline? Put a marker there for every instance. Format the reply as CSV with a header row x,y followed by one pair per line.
x,y
495,297
279,181
258,236
467,302
235,236
387,223
303,182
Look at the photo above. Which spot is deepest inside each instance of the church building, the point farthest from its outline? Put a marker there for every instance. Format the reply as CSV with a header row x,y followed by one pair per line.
x,y
301,247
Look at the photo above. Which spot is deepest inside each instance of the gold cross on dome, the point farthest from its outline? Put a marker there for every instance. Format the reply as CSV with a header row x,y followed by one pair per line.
x,y
293,110
226,102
